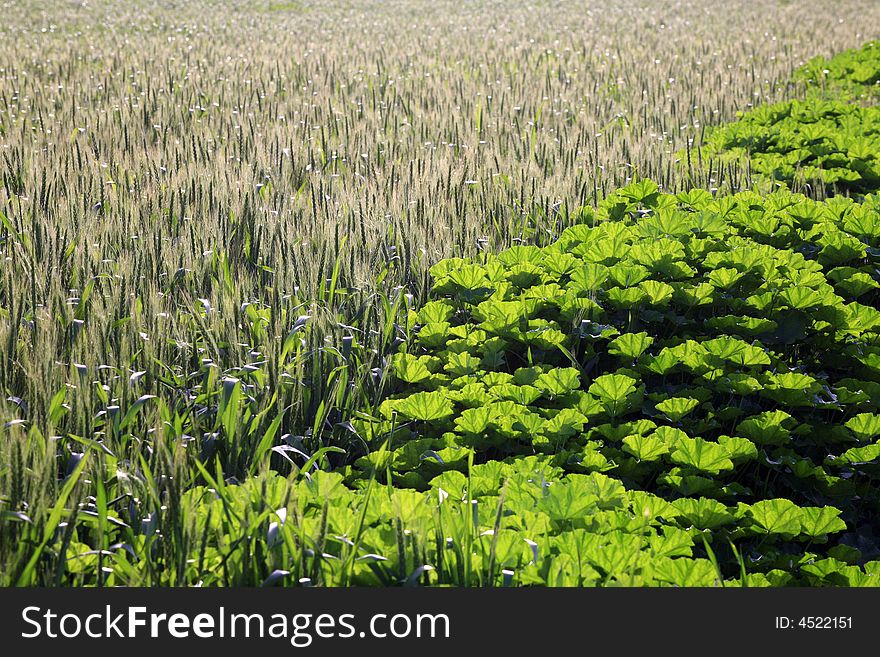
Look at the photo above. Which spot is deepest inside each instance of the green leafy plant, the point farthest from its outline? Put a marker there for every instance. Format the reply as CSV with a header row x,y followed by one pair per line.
x,y
715,375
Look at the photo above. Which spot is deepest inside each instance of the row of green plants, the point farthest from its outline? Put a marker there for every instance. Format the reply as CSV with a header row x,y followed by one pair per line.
x,y
853,74
521,521
720,354
826,142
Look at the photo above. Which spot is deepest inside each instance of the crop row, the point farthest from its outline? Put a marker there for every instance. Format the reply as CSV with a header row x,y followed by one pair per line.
x,y
829,140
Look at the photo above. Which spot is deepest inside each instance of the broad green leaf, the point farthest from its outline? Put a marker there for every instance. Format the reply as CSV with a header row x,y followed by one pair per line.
x,y
738,448
736,351
723,277
685,572
471,395
768,428
670,435
820,521
434,334
613,387
521,254
409,368
524,394
435,312
589,278
664,362
676,408
673,542
473,420
630,345
564,500
776,516
426,406
462,364
649,505
658,293
864,426
452,483
645,448
626,297
701,455
558,381
591,460
609,492
859,455
564,424
702,513
627,275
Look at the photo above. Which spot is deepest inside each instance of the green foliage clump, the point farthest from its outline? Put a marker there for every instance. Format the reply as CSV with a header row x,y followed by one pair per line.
x,y
828,140
825,143
853,73
719,354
